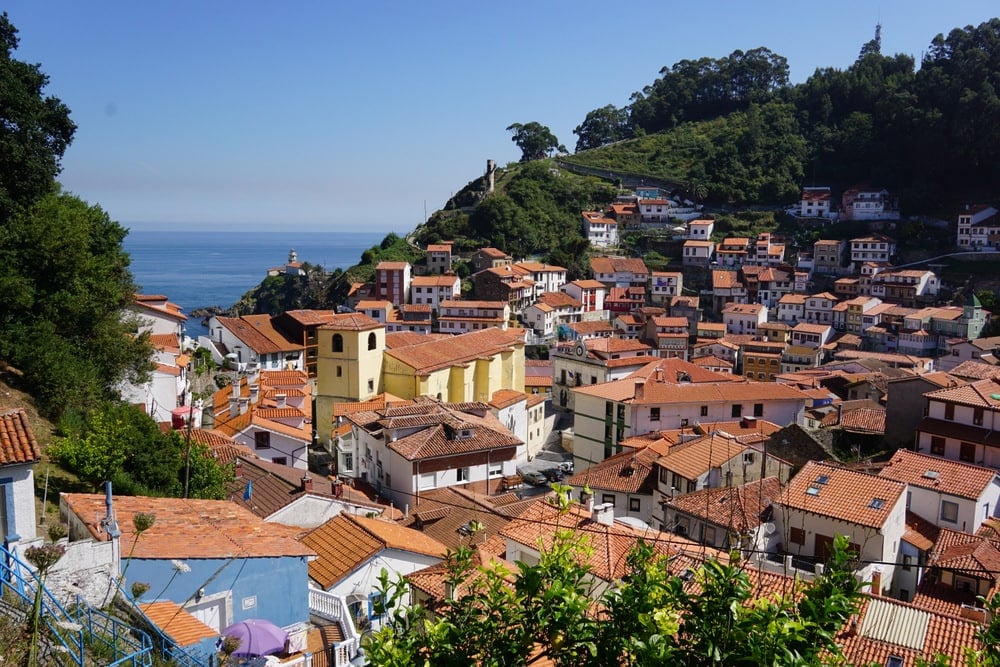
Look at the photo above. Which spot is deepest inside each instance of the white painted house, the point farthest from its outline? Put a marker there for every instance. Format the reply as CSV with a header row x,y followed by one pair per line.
x,y
744,318
823,501
18,456
352,551
949,494
600,230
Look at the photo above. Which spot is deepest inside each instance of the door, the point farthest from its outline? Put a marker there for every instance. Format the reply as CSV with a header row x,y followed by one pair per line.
x,y
210,612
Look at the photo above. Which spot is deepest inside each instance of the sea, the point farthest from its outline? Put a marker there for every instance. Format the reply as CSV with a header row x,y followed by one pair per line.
x,y
215,268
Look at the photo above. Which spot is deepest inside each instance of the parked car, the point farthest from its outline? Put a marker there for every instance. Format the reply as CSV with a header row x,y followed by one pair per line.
x,y
566,467
534,477
553,474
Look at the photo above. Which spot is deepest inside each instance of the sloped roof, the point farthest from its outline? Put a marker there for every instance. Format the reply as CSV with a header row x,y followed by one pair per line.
x,y
257,333
937,474
177,623
426,357
17,441
188,528
445,513
888,627
842,494
346,542
625,472
618,265
979,394
738,508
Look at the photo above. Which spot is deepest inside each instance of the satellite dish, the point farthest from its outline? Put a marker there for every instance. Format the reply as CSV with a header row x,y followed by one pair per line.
x,y
769,528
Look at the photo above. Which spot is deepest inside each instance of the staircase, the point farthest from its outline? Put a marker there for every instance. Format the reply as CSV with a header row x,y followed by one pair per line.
x,y
80,635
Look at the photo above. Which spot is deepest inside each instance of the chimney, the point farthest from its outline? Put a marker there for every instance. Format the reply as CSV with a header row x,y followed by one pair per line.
x,y
236,388
237,468
307,483
244,404
234,406
876,587
840,412
640,389
281,400
254,393
659,374
604,514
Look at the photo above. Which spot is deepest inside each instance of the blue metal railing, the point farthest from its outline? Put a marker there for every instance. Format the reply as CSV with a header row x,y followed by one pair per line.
x,y
70,631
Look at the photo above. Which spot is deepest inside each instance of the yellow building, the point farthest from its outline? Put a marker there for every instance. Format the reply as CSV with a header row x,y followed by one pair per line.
x,y
348,362
467,367
355,363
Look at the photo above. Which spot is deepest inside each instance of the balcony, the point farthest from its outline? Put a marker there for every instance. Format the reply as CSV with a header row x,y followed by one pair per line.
x,y
333,608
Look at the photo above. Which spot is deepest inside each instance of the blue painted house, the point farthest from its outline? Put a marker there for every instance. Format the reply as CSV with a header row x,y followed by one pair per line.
x,y
216,560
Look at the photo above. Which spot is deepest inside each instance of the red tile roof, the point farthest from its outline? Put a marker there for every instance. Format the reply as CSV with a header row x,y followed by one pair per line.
x,y
738,508
347,542
435,354
17,441
177,623
842,494
618,265
188,528
937,474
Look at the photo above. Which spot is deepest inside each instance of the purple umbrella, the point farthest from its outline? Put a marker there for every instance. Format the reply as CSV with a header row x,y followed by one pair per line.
x,y
257,637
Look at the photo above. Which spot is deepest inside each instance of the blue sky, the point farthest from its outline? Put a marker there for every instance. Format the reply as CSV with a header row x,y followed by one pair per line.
x,y
355,115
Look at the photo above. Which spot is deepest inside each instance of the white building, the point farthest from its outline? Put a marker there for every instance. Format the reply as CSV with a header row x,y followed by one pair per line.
x,y
949,494
456,317
701,230
601,231
432,290
823,501
876,248
978,227
744,318
815,203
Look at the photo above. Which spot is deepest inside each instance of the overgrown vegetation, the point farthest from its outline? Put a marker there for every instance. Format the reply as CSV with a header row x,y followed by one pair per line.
x,y
492,616
124,445
735,124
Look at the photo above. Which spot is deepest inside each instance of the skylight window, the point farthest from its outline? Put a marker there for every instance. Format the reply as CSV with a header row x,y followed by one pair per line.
x,y
822,479
932,474
877,503
812,490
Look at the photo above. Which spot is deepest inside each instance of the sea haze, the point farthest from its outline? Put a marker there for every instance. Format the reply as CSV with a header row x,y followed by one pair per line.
x,y
212,268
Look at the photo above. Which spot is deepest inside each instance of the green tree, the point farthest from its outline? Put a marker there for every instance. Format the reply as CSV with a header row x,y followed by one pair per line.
x,y
64,280
122,444
492,616
35,129
603,126
535,140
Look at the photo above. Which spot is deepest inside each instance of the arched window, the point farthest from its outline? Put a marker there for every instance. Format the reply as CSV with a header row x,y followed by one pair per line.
x,y
338,343
371,341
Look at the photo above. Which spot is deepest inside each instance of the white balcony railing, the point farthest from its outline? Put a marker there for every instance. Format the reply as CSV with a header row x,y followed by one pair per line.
x,y
333,608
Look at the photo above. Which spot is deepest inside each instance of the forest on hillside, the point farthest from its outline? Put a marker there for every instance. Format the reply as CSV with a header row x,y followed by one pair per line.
x,y
744,134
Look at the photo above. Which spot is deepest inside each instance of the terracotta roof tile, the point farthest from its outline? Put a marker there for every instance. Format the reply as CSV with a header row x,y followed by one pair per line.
x,y
937,474
188,528
618,264
444,514
981,393
176,623
431,355
17,441
887,627
842,494
738,508
346,542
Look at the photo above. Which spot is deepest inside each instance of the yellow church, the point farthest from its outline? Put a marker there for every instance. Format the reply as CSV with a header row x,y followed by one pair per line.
x,y
357,361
